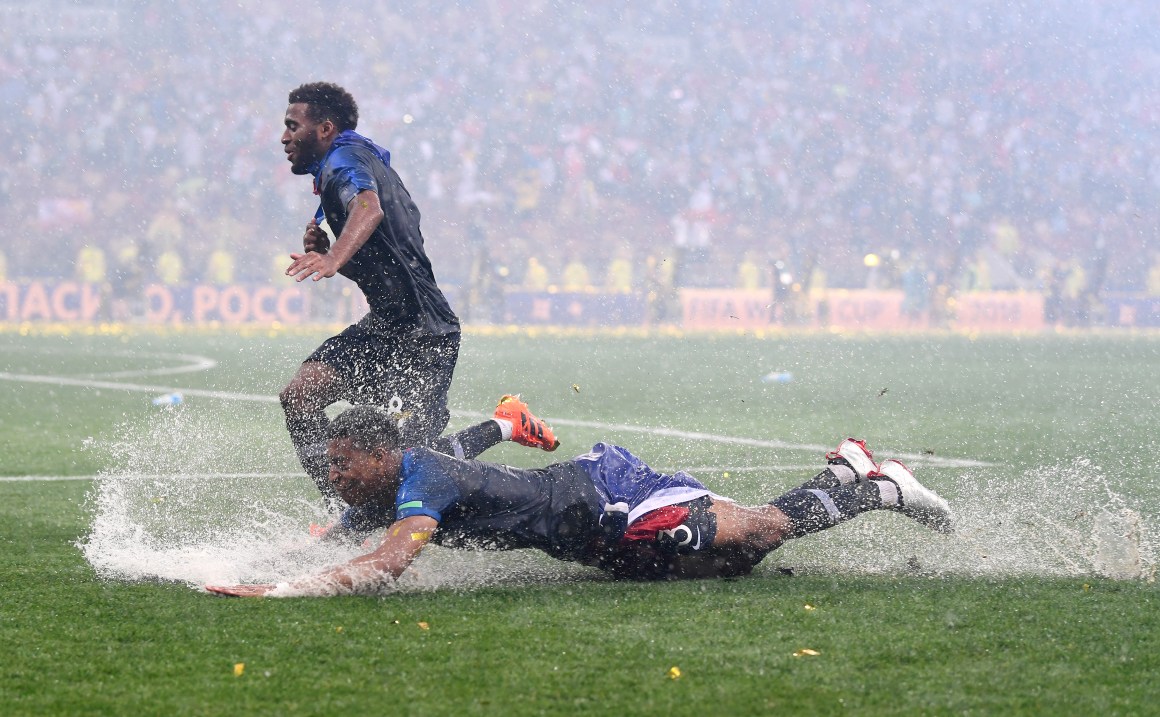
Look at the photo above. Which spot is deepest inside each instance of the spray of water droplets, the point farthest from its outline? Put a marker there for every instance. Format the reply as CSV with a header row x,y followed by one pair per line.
x,y
1063,520
190,501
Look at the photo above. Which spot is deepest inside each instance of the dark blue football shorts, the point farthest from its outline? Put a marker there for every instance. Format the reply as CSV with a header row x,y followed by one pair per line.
x,y
411,372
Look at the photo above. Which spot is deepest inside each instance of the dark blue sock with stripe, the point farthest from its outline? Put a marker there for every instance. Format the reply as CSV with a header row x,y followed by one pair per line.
x,y
811,510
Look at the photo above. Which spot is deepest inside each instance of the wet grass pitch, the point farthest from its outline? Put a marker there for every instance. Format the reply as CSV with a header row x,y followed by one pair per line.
x,y
1043,602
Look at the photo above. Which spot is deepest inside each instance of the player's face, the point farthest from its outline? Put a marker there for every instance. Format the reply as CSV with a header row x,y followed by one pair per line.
x,y
303,140
360,476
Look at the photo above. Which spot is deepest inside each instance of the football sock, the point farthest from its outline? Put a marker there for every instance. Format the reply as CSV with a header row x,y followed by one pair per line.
x,y
888,489
471,441
834,475
811,510
505,428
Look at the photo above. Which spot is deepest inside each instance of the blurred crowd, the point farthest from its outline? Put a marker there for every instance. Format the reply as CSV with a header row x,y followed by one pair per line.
x,y
944,147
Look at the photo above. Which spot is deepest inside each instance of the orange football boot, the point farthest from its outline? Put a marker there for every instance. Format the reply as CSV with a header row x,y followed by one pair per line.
x,y
527,430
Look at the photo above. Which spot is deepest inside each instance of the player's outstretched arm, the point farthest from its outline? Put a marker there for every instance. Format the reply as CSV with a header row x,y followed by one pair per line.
x,y
402,543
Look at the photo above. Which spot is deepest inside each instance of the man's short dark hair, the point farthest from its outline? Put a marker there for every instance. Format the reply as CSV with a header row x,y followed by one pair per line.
x,y
327,101
367,427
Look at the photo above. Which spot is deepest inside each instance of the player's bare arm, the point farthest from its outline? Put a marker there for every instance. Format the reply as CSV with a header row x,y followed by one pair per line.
x,y
401,544
363,216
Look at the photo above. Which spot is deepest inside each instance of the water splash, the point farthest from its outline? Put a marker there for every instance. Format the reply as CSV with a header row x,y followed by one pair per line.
x,y
1066,520
164,511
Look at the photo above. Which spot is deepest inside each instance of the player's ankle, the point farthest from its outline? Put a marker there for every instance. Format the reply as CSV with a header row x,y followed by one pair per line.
x,y
505,428
888,490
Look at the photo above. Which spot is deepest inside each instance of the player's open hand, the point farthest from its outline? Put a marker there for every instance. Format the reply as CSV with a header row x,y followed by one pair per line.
x,y
315,239
240,590
312,265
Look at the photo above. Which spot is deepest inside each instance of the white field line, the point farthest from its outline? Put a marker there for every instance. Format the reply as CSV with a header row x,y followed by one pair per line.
x,y
158,476
204,362
195,363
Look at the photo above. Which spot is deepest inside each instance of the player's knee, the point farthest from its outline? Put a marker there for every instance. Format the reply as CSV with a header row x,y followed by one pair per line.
x,y
761,542
762,534
752,530
308,391
291,398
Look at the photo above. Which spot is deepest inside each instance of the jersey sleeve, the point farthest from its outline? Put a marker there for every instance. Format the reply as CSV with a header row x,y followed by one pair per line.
x,y
427,488
349,173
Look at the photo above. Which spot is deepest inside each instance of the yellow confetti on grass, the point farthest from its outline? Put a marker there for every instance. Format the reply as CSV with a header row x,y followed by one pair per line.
x,y
338,629
806,651
674,672
239,668
809,607
424,626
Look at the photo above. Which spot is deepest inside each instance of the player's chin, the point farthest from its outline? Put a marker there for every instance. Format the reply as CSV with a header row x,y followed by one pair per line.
x,y
352,496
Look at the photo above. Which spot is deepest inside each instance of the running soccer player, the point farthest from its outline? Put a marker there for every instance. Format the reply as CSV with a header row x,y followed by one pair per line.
x,y
402,353
605,508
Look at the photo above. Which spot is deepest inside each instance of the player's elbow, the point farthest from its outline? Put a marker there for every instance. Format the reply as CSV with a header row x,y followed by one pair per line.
x,y
368,207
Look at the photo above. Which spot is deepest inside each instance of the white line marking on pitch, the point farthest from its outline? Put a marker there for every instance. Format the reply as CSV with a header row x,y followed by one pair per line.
x,y
624,428
158,476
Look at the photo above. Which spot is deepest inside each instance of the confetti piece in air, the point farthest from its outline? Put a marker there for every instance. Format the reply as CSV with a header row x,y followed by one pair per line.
x,y
805,651
424,626
576,387
239,668
674,672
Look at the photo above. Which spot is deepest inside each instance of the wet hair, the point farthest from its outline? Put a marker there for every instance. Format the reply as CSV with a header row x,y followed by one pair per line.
x,y
367,427
327,101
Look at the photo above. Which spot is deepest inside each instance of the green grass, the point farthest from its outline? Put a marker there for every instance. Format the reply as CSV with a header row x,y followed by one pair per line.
x,y
953,635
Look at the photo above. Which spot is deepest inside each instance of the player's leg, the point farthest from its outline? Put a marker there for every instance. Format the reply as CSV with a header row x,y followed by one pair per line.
x,y
415,379
729,539
715,538
468,442
315,386
420,378
435,360
892,487
338,369
849,462
744,536
840,492
852,463
513,421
